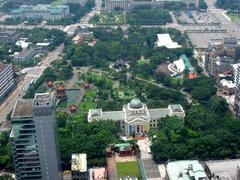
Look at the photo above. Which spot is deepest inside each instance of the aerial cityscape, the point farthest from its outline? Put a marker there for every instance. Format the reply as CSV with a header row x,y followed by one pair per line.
x,y
119,89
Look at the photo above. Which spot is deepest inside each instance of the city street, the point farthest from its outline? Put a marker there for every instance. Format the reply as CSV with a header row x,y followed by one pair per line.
x,y
32,74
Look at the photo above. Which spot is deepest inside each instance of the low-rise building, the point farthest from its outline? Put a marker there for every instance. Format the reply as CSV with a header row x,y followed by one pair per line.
x,y
98,173
224,169
166,41
116,4
24,56
46,12
6,79
135,116
185,170
226,87
79,167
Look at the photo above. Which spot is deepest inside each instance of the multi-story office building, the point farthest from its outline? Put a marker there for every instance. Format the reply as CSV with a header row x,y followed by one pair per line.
x,y
46,12
127,4
81,2
33,139
6,79
221,55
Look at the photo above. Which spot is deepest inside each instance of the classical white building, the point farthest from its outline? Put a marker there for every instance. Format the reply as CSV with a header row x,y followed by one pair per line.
x,y
135,116
6,79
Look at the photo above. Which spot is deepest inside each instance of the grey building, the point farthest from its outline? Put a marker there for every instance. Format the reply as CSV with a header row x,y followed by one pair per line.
x,y
135,116
34,139
24,56
128,4
46,12
8,35
6,79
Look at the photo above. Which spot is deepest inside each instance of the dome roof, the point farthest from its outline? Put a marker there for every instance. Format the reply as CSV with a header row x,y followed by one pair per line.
x,y
135,103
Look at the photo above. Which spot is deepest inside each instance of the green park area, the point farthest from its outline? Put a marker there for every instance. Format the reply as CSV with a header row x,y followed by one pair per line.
x,y
234,16
57,2
108,18
128,169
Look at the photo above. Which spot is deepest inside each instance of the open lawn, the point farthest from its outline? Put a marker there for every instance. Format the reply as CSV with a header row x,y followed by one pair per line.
x,y
109,18
234,16
57,2
128,169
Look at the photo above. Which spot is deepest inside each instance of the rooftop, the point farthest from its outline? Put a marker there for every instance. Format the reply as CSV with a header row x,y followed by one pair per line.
x,y
225,169
43,99
185,170
23,108
79,162
165,40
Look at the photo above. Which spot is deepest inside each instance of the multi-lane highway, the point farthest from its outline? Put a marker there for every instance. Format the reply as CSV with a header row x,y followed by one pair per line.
x,y
32,74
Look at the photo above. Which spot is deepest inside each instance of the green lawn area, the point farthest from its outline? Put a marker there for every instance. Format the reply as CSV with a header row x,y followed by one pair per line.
x,y
90,94
57,2
86,105
128,169
109,18
234,16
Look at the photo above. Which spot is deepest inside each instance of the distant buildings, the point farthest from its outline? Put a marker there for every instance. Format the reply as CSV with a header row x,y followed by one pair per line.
x,y
46,12
33,137
24,56
80,2
6,79
79,167
166,41
220,57
185,170
128,4
135,117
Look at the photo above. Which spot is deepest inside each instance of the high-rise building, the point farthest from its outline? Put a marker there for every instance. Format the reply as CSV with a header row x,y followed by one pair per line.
x,y
237,93
34,139
6,79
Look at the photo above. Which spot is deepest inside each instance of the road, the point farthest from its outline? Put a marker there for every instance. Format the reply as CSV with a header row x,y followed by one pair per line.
x,y
32,74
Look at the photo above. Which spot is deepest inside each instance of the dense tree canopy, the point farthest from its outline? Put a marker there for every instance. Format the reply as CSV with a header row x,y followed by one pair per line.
x,y
78,136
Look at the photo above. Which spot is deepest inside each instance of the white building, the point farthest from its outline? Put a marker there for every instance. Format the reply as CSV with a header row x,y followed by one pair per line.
x,y
179,65
224,169
6,79
135,116
185,170
79,166
116,4
166,41
42,11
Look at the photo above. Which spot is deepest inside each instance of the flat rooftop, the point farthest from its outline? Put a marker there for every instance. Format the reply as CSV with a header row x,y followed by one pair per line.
x,y
23,108
226,169
43,99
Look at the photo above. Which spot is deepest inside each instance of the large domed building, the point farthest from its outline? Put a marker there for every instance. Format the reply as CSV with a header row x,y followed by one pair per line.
x,y
135,116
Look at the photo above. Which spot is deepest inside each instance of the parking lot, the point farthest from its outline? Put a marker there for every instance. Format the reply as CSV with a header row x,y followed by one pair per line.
x,y
196,18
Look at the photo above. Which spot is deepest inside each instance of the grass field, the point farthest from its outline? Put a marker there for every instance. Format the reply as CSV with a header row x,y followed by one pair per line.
x,y
57,2
128,169
233,16
109,18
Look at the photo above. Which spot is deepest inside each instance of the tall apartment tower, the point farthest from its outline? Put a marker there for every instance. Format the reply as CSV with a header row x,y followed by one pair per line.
x,y
237,93
34,139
